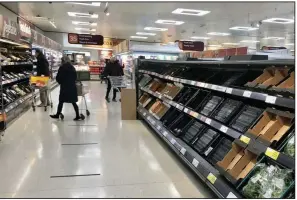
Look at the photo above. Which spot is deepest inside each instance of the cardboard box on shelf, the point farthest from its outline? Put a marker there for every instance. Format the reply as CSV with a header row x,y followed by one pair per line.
x,y
289,83
232,157
128,104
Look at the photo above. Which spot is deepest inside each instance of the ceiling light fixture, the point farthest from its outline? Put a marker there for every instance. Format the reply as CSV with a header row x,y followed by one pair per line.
x,y
172,22
274,38
84,23
251,41
155,29
200,38
144,33
214,45
230,43
138,37
289,44
86,4
184,11
279,20
107,14
85,29
53,24
218,34
88,15
243,28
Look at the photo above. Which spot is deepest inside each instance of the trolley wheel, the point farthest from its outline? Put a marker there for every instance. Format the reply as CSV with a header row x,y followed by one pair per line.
x,y
45,108
88,113
33,107
82,116
61,116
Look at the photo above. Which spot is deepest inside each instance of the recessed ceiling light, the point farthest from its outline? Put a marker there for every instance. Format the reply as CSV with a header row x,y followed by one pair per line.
x,y
155,29
53,24
200,38
218,33
144,33
230,43
279,20
138,37
183,11
85,29
88,15
84,23
214,45
244,28
251,41
274,38
172,22
86,4
289,44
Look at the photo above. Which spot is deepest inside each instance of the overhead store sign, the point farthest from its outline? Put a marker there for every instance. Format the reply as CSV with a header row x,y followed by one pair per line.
x,y
74,38
9,29
220,53
191,45
25,29
34,36
109,43
122,47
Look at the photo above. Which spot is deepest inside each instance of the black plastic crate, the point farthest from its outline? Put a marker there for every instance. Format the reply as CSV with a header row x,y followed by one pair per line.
x,y
197,99
209,106
191,131
227,110
245,118
220,151
204,140
177,126
171,117
185,95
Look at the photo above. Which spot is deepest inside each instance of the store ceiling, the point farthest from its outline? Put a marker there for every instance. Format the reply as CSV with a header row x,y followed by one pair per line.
x,y
126,19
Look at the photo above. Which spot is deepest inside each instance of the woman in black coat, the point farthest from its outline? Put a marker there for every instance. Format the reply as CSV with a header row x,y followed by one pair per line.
x,y
66,77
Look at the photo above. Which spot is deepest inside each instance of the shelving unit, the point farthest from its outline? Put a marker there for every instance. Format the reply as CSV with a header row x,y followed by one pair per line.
x,y
171,101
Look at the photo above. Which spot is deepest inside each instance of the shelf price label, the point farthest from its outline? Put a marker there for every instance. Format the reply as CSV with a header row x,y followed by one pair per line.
x,y
192,82
229,90
159,127
270,99
247,93
272,153
195,162
186,110
172,141
231,196
165,133
245,139
208,121
193,114
183,151
211,178
224,129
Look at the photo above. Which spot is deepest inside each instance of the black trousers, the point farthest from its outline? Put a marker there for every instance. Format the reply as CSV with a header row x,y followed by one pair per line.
x,y
60,107
108,90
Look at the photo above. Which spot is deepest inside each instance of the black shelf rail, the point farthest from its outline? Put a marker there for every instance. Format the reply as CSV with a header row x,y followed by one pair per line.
x,y
199,165
241,139
274,100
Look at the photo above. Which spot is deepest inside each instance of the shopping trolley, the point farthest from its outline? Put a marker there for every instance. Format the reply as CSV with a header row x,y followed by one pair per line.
x,y
117,82
82,91
41,83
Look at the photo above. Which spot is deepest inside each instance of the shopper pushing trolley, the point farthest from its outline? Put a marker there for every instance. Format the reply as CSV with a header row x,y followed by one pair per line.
x,y
67,77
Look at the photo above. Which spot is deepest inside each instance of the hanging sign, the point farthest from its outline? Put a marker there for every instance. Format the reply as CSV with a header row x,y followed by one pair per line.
x,y
272,48
191,45
74,38
25,29
34,36
9,29
109,43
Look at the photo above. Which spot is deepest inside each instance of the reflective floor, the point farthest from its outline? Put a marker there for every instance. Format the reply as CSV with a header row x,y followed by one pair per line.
x,y
38,156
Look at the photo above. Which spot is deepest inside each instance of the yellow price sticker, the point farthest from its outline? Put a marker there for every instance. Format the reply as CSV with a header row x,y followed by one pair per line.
x,y
272,153
245,139
211,178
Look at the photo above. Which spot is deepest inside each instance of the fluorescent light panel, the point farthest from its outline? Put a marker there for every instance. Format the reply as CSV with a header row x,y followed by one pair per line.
x,y
84,23
290,44
243,28
279,20
252,41
138,37
53,24
184,11
86,4
230,43
172,22
85,29
200,38
218,33
214,45
145,33
87,15
155,29
274,38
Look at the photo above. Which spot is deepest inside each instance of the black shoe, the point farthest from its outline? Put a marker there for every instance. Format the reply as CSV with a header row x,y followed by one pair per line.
x,y
114,100
54,116
107,99
77,119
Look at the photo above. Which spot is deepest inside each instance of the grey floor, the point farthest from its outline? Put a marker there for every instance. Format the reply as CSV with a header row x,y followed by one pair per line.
x,y
131,160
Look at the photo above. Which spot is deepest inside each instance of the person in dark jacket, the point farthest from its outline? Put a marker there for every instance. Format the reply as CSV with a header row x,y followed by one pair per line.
x,y
113,68
66,77
42,68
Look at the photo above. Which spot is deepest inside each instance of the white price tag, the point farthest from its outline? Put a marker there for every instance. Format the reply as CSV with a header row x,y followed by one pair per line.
x,y
224,129
195,162
153,122
229,90
247,93
183,151
144,114
231,196
159,127
201,84
186,110
192,82
208,121
206,85
270,99
165,133
172,141
214,87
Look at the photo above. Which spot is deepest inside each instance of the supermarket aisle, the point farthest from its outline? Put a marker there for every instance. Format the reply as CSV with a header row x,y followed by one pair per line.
x,y
130,160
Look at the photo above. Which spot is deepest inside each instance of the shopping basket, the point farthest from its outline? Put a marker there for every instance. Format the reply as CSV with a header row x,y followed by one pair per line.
x,y
41,83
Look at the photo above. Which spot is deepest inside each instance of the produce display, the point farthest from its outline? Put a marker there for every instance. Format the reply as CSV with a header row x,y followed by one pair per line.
x,y
268,181
290,147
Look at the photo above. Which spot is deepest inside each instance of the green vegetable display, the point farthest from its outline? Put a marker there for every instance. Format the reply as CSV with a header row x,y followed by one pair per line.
x,y
268,182
290,147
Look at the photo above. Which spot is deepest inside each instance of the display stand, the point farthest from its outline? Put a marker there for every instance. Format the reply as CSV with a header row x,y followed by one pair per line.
x,y
223,119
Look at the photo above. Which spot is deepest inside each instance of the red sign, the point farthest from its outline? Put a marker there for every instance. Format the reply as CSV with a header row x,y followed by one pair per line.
x,y
9,29
241,51
87,39
191,45
272,48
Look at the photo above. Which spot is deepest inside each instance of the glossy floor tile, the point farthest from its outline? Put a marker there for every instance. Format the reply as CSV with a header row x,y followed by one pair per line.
x,y
131,160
